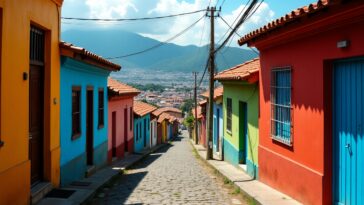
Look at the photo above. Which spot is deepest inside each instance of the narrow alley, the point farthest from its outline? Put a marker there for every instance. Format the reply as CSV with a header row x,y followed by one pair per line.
x,y
171,175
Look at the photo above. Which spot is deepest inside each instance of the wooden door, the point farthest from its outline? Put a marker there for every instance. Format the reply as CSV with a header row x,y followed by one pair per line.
x,y
89,126
243,125
36,102
113,134
348,131
126,129
36,97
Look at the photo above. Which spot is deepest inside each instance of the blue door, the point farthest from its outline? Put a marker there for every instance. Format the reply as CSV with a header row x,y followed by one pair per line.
x,y
348,118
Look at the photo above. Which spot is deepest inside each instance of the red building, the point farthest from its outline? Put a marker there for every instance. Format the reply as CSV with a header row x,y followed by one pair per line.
x,y
311,102
120,109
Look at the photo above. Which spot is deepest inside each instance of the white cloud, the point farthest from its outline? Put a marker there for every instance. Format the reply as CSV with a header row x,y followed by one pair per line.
x,y
166,28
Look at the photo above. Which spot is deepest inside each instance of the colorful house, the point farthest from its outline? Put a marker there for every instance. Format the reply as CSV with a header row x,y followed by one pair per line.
x,y
154,131
84,110
311,102
163,121
202,120
121,116
240,107
30,70
201,128
142,117
218,133
169,110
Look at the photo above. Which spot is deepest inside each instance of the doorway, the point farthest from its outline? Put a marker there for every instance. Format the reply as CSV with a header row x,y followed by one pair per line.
x,y
36,104
113,133
89,125
348,131
243,124
145,133
126,129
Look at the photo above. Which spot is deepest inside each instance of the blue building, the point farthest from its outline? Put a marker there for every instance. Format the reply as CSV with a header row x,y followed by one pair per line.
x,y
83,107
142,119
218,122
218,130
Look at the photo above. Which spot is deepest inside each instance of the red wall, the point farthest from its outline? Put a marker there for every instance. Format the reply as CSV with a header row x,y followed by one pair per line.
x,y
304,171
118,106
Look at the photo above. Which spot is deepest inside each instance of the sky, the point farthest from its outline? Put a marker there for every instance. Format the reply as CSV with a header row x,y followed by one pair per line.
x,y
166,28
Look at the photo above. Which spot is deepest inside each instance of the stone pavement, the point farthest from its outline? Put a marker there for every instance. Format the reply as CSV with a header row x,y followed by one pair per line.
x,y
172,175
86,188
261,193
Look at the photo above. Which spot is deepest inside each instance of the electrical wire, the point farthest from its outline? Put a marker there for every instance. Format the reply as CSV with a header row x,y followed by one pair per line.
x,y
134,19
222,4
228,25
160,44
238,24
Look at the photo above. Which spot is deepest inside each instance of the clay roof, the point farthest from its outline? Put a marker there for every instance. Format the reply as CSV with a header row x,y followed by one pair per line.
x,y
166,109
199,112
202,102
121,88
288,18
163,116
240,72
218,92
81,54
142,108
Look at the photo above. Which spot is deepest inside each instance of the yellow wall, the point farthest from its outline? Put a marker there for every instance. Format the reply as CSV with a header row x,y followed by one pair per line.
x,y
164,131
18,15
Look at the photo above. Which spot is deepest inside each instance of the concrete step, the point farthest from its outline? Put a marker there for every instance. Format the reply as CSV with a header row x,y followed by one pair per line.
x,y
39,191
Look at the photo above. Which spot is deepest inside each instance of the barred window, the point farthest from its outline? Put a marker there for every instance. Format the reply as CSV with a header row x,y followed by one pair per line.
x,y
229,112
76,112
101,108
281,105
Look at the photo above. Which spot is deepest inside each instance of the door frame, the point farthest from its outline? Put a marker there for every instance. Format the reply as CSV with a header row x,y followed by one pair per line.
x,y
90,131
113,134
126,128
243,130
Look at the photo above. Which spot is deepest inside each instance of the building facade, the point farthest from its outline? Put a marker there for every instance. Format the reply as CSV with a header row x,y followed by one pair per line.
x,y
84,111
240,108
29,101
312,68
121,116
142,119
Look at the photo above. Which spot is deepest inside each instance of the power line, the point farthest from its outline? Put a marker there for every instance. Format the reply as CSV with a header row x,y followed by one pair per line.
x,y
228,25
133,19
238,24
160,44
222,4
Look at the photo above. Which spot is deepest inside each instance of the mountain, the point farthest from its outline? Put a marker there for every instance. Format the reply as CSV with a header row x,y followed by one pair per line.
x,y
169,57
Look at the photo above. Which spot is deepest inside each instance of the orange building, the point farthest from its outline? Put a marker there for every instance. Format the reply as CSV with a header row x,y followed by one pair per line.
x,y
30,80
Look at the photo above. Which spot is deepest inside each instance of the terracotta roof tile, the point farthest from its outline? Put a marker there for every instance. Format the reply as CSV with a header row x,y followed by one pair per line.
x,y
199,112
142,108
240,72
69,50
294,15
159,111
163,116
121,88
218,92
202,102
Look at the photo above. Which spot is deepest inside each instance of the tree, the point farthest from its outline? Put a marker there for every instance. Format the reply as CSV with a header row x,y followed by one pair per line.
x,y
187,105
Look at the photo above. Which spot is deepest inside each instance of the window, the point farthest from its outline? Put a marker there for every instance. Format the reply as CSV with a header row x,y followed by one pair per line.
x,y
131,118
281,105
76,112
229,112
101,107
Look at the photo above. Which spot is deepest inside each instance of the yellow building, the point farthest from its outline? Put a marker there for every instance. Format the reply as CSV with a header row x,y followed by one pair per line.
x,y
29,97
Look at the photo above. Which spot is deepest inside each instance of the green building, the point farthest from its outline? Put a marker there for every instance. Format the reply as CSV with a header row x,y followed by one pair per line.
x,y
240,115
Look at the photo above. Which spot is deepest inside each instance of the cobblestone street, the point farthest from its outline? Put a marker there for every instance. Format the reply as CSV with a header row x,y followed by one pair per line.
x,y
172,175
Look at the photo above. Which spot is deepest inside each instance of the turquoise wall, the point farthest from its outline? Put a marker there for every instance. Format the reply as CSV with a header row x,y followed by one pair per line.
x,y
217,117
73,156
139,136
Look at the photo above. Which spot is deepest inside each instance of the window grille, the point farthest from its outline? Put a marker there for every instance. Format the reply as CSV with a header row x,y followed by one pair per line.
x,y
281,109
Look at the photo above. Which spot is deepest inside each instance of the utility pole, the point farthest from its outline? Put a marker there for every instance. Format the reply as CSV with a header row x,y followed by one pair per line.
x,y
196,117
212,16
